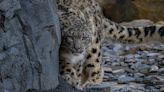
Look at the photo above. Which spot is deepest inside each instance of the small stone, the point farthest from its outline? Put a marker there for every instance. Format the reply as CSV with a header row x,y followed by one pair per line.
x,y
139,80
154,68
109,77
123,64
119,71
130,56
153,55
115,64
140,60
130,61
139,75
136,87
137,56
151,61
161,56
142,68
125,79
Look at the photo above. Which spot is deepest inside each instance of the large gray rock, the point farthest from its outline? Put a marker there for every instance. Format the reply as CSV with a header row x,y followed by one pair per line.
x,y
29,43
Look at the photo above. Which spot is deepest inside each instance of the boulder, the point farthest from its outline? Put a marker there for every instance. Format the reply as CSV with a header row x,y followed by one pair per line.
x,y
29,44
128,10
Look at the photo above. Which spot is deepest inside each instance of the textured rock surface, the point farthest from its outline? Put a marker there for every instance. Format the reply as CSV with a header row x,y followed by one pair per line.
x,y
127,10
29,42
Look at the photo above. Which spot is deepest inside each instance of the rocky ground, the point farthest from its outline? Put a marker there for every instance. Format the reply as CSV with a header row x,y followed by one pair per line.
x,y
134,70
134,67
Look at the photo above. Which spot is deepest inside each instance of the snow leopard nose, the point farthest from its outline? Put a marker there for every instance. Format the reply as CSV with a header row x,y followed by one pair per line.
x,y
77,45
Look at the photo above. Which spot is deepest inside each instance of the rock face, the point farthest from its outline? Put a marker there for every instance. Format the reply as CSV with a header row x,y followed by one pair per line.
x,y
29,43
127,10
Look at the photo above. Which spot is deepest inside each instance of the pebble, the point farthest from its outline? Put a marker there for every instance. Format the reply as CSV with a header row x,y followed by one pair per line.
x,y
139,75
153,55
142,68
130,61
130,56
119,71
137,56
116,64
110,77
153,69
161,56
151,61
123,64
139,80
125,79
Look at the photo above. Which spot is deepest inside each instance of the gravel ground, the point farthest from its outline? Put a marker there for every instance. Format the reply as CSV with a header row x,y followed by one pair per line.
x,y
134,67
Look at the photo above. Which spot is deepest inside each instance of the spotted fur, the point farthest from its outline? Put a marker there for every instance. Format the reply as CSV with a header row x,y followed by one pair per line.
x,y
83,29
